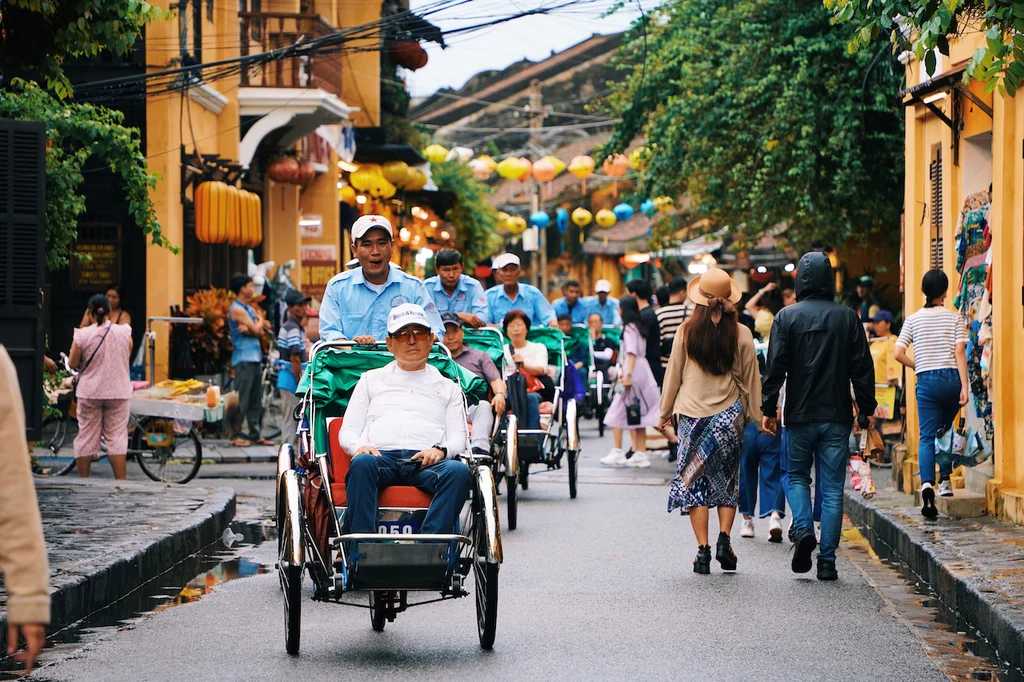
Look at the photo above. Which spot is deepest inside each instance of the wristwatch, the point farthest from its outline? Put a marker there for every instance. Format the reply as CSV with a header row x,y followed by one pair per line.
x,y
443,449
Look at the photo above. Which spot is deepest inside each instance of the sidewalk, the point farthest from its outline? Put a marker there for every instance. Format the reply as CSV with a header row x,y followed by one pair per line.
x,y
106,538
220,451
975,566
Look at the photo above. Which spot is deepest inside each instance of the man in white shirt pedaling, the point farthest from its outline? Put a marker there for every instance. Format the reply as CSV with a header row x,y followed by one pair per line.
x,y
404,425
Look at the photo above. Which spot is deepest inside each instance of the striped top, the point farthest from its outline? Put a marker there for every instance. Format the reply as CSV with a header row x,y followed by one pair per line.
x,y
670,316
934,333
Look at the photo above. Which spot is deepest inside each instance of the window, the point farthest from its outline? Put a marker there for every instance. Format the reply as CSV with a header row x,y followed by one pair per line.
x,y
935,213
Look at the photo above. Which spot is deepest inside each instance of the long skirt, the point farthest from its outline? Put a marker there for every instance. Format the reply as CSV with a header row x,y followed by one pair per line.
x,y
709,453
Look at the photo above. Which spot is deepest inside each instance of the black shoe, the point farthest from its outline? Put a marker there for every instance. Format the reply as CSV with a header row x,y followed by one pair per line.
x,y
702,564
802,553
827,570
481,452
724,554
928,509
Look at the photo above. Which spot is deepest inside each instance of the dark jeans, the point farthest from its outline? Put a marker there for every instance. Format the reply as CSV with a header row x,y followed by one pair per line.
x,y
760,468
250,399
784,464
532,411
447,481
826,443
938,401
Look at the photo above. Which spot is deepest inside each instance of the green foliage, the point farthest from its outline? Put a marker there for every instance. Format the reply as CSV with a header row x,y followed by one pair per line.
x,y
473,216
925,26
75,134
757,111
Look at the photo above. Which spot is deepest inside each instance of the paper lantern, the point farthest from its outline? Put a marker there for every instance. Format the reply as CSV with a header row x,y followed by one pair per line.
x,y
284,169
562,220
417,180
408,54
581,217
638,158
557,163
582,166
517,224
509,168
605,218
623,211
615,166
525,167
347,195
482,167
435,153
362,179
502,226
648,208
307,172
541,219
663,203
395,172
544,171
382,189
232,217
460,154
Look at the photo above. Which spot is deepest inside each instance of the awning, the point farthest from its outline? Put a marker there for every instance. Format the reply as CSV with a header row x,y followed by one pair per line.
x,y
625,237
287,114
697,246
372,146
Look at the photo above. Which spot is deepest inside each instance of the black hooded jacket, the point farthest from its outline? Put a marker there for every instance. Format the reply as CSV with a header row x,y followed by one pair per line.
x,y
818,348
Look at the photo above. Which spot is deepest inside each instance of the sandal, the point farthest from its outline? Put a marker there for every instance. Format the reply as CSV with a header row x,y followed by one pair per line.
x,y
240,443
263,441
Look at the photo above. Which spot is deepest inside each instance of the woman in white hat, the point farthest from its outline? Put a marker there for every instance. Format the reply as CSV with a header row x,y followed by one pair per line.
x,y
712,387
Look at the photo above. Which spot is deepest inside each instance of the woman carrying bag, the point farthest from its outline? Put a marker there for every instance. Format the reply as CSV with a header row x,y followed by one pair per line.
x,y
636,407
712,389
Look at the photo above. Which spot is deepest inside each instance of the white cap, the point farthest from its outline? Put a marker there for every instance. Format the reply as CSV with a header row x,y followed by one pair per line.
x,y
364,224
504,259
603,285
406,314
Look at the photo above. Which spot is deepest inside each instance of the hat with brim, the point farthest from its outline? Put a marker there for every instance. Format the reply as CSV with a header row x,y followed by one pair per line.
x,y
715,283
505,260
407,314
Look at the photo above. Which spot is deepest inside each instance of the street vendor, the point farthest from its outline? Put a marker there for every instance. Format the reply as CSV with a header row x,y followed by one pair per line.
x,y
404,425
455,292
357,302
511,294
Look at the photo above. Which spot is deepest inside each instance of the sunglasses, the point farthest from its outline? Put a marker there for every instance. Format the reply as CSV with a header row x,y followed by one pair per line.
x,y
412,335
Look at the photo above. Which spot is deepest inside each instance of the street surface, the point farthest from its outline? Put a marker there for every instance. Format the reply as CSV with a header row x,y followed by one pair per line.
x,y
596,588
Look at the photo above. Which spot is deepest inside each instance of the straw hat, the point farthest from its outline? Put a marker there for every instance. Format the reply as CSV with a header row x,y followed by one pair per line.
x,y
714,283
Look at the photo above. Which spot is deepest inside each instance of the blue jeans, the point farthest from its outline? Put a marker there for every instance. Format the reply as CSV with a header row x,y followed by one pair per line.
x,y
532,411
825,443
938,401
784,462
760,468
447,481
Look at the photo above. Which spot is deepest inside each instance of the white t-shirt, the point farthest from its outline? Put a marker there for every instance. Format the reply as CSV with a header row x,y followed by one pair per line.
x,y
534,354
934,332
392,409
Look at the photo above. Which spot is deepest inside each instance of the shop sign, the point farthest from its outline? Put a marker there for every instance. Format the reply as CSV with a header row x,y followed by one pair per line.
x,y
311,226
99,263
319,265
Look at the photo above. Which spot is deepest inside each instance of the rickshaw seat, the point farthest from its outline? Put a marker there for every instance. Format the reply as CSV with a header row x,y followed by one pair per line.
x,y
406,496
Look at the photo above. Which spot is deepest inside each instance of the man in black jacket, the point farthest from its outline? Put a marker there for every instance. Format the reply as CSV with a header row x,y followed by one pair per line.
x,y
818,349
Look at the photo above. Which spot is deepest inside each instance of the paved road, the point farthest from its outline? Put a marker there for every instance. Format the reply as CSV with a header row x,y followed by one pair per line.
x,y
596,588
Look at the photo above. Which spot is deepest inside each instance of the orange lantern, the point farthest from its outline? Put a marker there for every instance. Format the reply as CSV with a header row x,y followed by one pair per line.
x,y
582,167
232,217
544,171
615,166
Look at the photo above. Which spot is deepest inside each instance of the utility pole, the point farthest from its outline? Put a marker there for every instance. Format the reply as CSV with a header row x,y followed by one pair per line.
x,y
536,104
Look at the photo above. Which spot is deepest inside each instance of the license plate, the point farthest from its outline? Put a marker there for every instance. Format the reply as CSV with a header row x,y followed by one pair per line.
x,y
406,523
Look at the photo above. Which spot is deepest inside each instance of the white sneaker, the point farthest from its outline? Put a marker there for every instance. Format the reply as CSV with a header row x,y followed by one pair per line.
x,y
616,457
775,528
639,460
945,489
747,528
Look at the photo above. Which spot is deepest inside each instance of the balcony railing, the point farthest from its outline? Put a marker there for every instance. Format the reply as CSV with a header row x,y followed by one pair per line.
x,y
264,31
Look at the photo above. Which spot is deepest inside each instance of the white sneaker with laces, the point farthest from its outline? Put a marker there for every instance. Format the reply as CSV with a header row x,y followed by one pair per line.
x,y
639,460
747,528
945,489
616,457
775,528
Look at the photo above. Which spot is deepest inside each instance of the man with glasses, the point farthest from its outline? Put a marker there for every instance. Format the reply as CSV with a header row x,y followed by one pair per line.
x,y
404,425
357,302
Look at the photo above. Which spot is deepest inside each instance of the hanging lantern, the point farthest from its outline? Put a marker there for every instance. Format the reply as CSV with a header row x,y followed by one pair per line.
x,y
623,211
663,203
284,169
482,167
582,167
395,172
581,217
615,166
408,54
541,219
435,153
307,172
558,164
382,189
509,168
525,168
562,220
502,227
648,208
363,179
544,171
347,195
417,180
605,218
232,217
460,154
639,157
517,224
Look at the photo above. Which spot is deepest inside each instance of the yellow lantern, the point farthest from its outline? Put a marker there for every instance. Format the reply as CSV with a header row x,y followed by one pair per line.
x,y
395,172
435,153
638,158
502,226
347,195
582,167
509,168
663,203
517,224
615,166
363,179
525,167
382,189
606,218
417,180
581,217
544,171
558,164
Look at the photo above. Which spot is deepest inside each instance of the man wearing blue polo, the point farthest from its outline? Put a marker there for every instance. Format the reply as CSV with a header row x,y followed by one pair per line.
x,y
570,304
603,304
511,294
357,302
454,292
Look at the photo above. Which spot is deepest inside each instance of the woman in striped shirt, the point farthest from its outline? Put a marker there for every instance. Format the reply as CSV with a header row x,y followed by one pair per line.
x,y
940,364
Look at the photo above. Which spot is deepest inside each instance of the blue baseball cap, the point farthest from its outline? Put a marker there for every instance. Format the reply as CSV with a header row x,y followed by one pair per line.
x,y
882,316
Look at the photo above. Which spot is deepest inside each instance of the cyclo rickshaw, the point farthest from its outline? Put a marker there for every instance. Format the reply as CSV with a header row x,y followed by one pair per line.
x,y
397,561
600,388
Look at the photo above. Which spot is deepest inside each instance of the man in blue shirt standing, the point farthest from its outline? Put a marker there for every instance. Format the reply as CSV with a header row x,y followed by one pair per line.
x,y
511,294
357,302
454,292
603,304
570,304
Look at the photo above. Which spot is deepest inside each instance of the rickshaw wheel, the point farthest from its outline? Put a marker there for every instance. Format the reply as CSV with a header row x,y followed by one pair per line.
x,y
512,500
524,475
485,575
378,611
291,587
572,474
600,422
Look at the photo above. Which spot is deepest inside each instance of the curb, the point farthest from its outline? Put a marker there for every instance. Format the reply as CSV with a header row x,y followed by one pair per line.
x,y
942,569
74,597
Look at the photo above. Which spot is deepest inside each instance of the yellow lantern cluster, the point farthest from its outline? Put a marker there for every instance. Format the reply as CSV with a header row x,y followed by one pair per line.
x,y
382,182
514,168
227,214
510,224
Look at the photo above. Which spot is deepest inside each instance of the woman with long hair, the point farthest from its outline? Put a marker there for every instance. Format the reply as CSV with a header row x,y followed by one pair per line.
x,y
636,407
712,388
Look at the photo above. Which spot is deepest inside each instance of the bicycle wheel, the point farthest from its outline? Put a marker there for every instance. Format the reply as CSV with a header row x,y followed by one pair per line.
x,y
378,610
58,438
485,575
511,499
176,463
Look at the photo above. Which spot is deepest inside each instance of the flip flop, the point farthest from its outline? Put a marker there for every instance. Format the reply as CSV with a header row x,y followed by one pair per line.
x,y
264,441
240,443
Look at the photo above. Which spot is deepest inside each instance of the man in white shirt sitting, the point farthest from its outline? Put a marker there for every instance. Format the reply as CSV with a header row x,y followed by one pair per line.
x,y
404,425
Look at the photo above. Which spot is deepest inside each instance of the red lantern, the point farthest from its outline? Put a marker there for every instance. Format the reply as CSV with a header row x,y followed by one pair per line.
x,y
284,169
307,172
408,54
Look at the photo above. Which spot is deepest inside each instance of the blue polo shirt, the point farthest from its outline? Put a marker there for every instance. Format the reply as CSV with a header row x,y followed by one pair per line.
x,y
609,311
468,297
354,307
529,299
578,313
